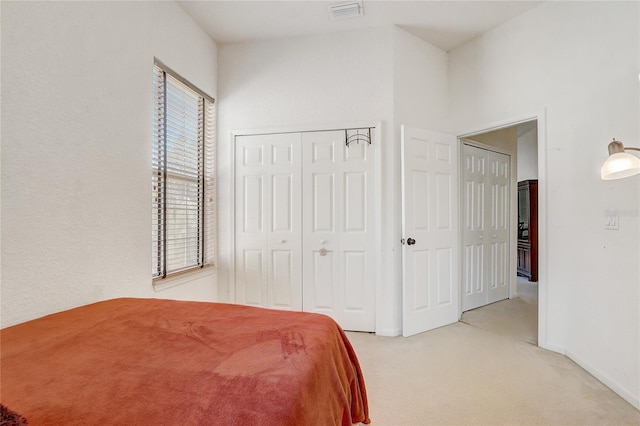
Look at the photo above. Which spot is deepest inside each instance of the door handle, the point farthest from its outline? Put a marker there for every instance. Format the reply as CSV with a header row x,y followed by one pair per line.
x,y
410,241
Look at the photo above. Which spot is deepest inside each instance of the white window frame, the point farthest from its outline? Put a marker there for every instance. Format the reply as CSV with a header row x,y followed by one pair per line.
x,y
183,176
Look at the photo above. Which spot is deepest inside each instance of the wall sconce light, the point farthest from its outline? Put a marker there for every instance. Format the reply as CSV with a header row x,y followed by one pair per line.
x,y
620,164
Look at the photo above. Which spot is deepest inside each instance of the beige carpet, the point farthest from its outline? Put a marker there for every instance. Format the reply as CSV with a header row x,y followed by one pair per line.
x,y
483,370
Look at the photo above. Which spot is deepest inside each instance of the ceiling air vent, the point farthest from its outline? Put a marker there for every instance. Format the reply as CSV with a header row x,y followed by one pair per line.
x,y
345,10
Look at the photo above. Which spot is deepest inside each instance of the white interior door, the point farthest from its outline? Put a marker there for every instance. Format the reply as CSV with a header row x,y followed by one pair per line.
x,y
430,230
268,221
474,233
485,235
338,235
499,178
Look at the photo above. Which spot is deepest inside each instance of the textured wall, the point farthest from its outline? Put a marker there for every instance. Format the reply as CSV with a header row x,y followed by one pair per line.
x,y
528,155
76,148
329,80
579,62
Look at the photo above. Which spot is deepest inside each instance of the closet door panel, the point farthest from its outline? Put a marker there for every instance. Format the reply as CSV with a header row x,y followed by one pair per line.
x,y
322,189
486,225
355,273
355,203
254,276
268,221
322,202
499,180
320,283
283,274
304,217
282,206
338,236
474,234
253,205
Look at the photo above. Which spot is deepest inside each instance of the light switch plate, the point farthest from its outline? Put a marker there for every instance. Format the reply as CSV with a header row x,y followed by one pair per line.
x,y
611,222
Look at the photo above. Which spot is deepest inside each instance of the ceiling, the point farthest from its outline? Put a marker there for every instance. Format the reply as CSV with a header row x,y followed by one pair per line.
x,y
445,24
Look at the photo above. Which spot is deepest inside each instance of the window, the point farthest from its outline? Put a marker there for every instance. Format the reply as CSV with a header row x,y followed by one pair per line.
x,y
183,198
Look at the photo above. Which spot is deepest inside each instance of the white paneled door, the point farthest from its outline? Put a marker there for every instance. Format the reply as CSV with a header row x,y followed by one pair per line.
x,y
430,230
268,221
338,238
304,225
485,234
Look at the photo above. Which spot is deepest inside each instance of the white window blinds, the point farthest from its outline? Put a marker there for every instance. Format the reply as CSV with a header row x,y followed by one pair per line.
x,y
183,203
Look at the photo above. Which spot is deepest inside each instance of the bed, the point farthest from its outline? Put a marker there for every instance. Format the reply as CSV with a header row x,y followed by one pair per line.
x,y
165,362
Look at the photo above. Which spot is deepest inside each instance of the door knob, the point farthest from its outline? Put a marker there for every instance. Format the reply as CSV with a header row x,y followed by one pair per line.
x,y
411,241
283,241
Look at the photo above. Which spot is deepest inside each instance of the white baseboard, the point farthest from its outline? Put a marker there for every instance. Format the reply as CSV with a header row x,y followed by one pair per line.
x,y
389,332
553,348
625,393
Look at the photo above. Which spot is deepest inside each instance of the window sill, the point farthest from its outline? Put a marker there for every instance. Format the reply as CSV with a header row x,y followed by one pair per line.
x,y
160,284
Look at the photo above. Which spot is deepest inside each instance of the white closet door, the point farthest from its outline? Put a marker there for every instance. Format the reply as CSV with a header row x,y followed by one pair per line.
x,y
430,230
268,221
338,235
485,235
498,279
474,233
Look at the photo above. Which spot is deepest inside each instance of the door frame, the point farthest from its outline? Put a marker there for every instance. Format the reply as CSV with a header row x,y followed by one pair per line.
x,y
377,130
541,118
512,211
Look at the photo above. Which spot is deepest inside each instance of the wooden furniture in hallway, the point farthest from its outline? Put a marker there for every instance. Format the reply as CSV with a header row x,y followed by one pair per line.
x,y
528,229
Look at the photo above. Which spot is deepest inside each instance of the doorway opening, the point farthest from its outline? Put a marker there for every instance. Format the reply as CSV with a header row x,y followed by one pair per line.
x,y
520,260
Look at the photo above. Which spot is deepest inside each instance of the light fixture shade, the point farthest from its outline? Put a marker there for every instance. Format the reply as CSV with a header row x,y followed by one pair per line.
x,y
620,165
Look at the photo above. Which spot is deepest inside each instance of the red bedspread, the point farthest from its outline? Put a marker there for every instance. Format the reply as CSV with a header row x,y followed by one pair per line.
x,y
150,361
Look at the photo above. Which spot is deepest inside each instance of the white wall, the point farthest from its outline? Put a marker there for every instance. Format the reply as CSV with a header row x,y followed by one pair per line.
x,y
323,82
528,155
578,61
506,140
419,83
76,148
